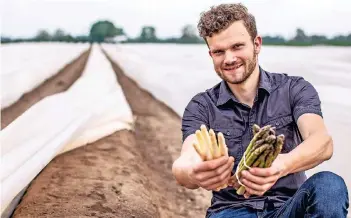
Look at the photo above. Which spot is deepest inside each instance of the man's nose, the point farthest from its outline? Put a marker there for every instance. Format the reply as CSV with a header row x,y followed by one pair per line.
x,y
230,58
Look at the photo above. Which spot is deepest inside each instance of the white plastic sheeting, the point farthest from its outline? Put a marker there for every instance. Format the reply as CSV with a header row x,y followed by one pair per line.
x,y
171,73
92,108
24,66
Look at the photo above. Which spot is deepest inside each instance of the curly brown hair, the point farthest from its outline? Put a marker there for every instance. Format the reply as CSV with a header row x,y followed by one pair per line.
x,y
220,17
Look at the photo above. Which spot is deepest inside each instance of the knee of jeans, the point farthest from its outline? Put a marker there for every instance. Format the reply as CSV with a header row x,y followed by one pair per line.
x,y
329,182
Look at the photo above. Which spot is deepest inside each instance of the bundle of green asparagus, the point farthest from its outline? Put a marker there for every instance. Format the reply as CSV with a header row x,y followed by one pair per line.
x,y
263,149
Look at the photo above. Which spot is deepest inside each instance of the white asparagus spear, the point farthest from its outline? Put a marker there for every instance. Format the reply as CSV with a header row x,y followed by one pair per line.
x,y
222,145
198,150
215,148
207,141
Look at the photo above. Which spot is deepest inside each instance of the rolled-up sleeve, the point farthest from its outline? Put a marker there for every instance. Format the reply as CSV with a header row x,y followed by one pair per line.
x,y
304,98
195,114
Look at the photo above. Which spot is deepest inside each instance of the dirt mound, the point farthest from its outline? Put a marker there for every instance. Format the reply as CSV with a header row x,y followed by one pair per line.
x,y
103,179
127,174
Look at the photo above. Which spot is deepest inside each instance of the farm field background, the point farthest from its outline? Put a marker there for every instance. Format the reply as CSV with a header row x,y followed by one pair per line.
x,y
125,105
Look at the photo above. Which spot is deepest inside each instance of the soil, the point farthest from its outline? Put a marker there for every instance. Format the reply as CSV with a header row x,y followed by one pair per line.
x,y
126,174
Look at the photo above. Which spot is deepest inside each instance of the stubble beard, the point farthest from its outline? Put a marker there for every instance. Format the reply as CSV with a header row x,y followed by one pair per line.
x,y
249,65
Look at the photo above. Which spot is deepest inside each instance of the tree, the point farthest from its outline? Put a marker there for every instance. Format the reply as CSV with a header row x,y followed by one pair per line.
x,y
43,35
189,31
300,36
5,39
273,40
59,35
82,38
104,29
148,34
319,39
189,34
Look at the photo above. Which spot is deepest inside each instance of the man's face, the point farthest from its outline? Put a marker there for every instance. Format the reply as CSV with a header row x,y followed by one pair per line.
x,y
233,52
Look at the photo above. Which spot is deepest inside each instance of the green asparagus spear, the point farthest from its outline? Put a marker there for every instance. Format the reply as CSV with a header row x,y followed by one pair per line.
x,y
255,129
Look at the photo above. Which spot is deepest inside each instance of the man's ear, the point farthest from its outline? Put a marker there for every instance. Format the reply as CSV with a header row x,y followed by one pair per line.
x,y
257,44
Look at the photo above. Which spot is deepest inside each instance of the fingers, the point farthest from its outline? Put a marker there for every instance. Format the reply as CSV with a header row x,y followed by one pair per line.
x,y
234,182
236,185
257,179
223,186
215,182
205,175
246,195
253,186
250,191
265,172
227,180
256,185
212,164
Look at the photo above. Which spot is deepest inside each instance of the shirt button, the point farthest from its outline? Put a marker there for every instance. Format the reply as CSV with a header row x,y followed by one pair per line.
x,y
277,124
228,133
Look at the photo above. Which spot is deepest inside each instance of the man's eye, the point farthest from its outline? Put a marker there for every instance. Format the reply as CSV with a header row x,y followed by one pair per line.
x,y
237,46
217,52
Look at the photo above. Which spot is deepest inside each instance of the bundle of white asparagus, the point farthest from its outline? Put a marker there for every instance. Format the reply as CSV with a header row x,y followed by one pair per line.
x,y
208,147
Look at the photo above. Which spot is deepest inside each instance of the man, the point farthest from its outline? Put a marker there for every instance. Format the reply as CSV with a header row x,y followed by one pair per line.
x,y
250,95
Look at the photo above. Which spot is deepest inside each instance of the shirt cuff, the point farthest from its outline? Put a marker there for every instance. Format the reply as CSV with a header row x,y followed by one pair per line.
x,y
306,110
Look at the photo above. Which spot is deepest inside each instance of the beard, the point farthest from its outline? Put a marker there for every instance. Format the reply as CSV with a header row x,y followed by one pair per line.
x,y
239,77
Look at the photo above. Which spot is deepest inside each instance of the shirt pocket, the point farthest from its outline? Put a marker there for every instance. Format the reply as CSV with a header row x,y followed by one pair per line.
x,y
284,125
233,140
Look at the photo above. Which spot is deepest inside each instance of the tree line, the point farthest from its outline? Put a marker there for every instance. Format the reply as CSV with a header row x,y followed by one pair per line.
x,y
106,31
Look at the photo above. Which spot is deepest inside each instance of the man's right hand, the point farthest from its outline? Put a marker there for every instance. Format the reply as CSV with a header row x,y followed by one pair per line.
x,y
211,174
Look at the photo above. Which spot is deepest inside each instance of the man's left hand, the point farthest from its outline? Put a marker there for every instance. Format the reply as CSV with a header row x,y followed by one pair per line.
x,y
259,180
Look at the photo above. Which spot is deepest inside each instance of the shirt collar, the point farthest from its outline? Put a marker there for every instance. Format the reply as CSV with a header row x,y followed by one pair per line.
x,y
225,94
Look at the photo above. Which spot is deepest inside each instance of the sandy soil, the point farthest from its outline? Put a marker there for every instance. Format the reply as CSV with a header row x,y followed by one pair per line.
x,y
56,84
127,174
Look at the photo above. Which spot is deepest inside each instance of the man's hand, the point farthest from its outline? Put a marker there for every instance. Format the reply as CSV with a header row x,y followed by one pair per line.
x,y
211,174
259,180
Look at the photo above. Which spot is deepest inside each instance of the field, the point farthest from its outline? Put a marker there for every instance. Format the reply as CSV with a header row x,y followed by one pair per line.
x,y
119,175
116,161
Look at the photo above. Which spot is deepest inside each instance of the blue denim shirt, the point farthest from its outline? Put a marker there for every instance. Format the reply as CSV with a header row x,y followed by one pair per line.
x,y
280,100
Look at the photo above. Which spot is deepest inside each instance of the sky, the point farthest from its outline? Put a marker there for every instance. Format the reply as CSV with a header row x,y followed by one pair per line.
x,y
23,18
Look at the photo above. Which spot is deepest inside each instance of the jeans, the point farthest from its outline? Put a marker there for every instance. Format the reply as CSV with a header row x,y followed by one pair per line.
x,y
322,195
